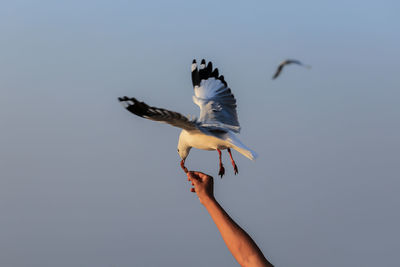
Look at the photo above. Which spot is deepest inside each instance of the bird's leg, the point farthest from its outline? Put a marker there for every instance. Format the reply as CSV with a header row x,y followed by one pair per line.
x,y
221,167
183,166
235,168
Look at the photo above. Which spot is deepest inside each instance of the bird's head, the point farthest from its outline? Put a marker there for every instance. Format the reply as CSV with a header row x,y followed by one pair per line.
x,y
183,150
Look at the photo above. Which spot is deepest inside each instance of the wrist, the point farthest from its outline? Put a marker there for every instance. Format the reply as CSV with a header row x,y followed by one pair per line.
x,y
208,200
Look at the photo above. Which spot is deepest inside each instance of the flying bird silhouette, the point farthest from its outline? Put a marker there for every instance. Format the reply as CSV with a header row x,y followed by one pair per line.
x,y
287,62
217,126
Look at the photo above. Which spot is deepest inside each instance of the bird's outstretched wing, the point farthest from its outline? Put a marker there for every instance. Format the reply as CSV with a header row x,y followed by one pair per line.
x,y
293,61
157,114
287,62
216,101
278,71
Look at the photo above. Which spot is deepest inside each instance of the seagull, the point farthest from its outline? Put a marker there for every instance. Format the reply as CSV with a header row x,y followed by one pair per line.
x,y
287,62
217,125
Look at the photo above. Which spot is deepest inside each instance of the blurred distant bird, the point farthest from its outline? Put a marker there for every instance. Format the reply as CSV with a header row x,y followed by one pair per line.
x,y
217,125
287,62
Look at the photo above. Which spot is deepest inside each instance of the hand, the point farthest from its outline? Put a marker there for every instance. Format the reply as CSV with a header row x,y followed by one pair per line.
x,y
203,186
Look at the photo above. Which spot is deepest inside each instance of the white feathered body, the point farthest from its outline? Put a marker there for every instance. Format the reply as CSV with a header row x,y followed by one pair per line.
x,y
199,140
202,141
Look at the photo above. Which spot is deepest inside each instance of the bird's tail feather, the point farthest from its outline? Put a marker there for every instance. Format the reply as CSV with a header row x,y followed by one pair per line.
x,y
241,148
246,152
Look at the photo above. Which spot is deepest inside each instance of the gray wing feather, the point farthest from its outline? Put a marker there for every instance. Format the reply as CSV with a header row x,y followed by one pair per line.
x,y
143,110
216,101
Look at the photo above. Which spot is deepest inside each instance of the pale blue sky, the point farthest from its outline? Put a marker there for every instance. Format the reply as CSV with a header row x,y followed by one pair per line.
x,y
85,183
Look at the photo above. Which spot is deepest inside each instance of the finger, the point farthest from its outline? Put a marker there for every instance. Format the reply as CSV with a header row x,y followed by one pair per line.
x,y
192,190
195,182
192,175
202,176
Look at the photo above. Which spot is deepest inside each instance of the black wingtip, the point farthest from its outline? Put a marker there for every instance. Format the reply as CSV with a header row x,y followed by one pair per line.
x,y
202,67
124,98
204,72
215,73
209,68
195,74
222,79
133,105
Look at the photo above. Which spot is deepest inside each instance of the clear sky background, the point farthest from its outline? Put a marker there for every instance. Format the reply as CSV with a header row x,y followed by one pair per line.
x,y
85,183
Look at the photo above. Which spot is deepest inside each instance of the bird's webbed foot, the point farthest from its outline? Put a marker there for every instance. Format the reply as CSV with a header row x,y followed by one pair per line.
x,y
221,170
235,168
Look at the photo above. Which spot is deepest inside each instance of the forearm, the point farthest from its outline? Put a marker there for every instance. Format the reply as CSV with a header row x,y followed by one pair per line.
x,y
239,243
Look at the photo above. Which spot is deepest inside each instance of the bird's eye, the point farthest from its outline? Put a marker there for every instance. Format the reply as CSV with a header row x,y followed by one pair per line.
x,y
178,150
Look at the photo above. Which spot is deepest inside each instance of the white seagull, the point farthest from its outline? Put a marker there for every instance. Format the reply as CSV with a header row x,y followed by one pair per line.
x,y
217,125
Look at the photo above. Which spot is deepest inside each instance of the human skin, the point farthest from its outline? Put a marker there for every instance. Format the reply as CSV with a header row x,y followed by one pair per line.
x,y
239,243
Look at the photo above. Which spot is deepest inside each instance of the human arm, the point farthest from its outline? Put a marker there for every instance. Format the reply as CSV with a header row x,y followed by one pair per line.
x,y
239,243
